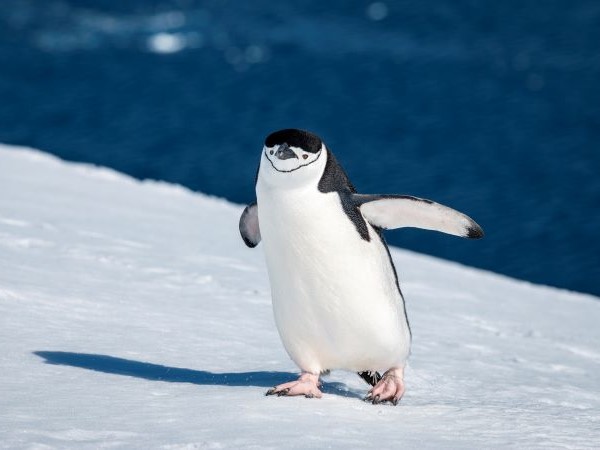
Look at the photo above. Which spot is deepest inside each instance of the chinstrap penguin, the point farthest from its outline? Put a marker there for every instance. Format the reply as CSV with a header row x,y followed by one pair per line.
x,y
336,298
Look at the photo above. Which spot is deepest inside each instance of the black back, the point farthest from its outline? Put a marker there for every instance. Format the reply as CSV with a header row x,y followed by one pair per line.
x,y
334,179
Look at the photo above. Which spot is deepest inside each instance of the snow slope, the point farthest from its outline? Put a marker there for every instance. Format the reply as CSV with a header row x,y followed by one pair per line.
x,y
132,316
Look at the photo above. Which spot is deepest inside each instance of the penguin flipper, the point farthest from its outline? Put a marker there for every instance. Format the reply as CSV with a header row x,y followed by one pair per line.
x,y
249,228
398,211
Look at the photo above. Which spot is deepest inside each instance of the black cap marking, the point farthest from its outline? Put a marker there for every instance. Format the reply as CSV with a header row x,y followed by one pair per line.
x,y
305,140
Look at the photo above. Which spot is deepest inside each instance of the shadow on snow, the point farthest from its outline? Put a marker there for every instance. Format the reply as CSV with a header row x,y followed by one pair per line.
x,y
157,372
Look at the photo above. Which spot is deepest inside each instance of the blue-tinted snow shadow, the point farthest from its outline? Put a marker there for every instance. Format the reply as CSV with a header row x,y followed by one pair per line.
x,y
157,372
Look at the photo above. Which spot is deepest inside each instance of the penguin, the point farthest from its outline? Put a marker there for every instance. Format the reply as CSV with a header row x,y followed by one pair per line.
x,y
336,299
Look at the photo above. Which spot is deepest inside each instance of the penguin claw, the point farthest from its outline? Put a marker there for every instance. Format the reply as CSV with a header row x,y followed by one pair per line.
x,y
389,389
368,397
307,385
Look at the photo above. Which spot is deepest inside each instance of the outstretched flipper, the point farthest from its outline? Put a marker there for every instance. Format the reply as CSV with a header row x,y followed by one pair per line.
x,y
249,228
398,211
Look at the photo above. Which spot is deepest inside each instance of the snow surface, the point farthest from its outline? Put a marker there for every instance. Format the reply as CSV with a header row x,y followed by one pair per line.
x,y
133,316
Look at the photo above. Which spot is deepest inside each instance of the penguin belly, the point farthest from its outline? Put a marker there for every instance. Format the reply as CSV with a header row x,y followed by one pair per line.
x,y
335,299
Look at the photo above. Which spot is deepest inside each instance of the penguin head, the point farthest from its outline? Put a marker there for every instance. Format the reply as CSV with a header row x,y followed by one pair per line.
x,y
292,154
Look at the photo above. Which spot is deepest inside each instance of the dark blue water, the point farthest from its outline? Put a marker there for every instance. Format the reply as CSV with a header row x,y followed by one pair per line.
x,y
492,108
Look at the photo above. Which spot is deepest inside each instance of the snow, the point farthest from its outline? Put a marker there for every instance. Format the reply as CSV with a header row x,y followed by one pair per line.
x,y
133,316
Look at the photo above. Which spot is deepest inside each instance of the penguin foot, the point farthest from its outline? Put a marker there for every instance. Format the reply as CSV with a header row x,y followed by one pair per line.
x,y
307,384
389,389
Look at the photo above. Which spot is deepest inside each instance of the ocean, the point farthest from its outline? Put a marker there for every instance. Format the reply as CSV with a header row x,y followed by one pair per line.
x,y
492,108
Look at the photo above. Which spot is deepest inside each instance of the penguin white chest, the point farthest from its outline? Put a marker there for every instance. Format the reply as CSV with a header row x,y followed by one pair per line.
x,y
335,299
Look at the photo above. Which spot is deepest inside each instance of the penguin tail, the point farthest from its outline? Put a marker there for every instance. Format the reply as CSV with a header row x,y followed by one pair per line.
x,y
369,377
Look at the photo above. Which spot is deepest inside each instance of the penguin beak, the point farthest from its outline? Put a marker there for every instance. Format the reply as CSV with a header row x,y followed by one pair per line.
x,y
285,152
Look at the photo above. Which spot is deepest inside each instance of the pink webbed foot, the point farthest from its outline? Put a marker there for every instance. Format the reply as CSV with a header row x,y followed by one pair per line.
x,y
307,384
389,389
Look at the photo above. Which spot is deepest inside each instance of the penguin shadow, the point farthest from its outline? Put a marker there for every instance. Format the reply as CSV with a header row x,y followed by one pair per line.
x,y
157,372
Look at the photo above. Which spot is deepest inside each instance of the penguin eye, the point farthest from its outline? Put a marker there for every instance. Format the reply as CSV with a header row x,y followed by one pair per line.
x,y
305,156
271,152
